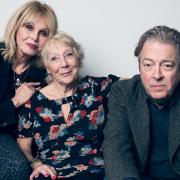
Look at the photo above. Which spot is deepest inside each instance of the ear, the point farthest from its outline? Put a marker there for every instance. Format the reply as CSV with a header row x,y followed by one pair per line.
x,y
47,70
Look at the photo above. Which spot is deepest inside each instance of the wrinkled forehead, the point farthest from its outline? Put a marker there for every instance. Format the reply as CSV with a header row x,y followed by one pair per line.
x,y
55,47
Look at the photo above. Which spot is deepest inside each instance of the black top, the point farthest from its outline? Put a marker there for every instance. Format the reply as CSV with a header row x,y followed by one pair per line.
x,y
158,162
7,90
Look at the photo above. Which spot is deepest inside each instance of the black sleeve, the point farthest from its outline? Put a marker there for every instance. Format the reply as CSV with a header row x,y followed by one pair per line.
x,y
7,91
7,113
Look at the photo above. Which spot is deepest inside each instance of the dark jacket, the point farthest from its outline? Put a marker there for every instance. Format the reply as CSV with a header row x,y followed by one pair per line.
x,y
7,109
7,90
127,133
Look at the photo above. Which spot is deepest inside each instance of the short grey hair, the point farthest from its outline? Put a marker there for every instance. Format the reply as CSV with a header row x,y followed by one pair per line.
x,y
161,33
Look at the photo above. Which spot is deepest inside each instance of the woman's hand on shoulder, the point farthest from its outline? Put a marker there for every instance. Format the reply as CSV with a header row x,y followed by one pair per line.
x,y
24,93
44,169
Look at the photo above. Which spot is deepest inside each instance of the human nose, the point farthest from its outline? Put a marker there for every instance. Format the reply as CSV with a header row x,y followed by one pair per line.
x,y
64,63
35,36
158,74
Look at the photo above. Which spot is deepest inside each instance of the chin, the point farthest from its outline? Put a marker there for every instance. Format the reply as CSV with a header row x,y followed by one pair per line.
x,y
159,96
67,83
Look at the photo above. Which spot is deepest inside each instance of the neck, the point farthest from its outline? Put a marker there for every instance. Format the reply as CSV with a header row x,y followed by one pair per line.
x,y
20,65
63,91
160,103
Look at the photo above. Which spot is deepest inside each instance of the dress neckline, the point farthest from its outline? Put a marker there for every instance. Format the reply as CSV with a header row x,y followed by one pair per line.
x,y
64,100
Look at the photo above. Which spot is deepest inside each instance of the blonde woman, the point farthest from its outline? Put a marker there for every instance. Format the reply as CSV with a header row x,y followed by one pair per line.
x,y
26,33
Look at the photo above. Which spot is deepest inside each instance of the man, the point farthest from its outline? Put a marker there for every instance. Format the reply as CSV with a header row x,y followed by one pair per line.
x,y
142,135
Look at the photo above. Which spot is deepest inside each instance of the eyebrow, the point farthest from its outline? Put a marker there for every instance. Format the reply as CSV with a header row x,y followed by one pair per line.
x,y
161,61
167,60
30,22
147,59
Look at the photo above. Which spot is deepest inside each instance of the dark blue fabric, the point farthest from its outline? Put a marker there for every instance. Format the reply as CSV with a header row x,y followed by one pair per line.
x,y
158,164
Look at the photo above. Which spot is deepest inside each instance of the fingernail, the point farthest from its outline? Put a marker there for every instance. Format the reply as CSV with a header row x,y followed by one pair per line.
x,y
53,177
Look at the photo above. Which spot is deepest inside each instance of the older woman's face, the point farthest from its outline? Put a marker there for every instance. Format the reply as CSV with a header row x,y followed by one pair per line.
x,y
31,37
62,63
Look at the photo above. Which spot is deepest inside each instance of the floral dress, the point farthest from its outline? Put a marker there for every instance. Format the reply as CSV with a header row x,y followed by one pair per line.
x,y
72,146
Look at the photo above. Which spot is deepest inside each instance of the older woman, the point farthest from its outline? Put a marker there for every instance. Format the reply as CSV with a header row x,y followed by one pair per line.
x,y
26,33
66,118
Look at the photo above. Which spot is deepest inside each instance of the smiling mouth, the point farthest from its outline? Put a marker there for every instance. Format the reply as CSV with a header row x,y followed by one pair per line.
x,y
66,73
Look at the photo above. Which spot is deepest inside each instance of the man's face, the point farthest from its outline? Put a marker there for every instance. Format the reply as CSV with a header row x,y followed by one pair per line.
x,y
159,68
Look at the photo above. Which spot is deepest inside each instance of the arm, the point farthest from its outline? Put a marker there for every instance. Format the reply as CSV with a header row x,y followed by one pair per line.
x,y
25,146
37,166
8,106
117,146
25,139
7,113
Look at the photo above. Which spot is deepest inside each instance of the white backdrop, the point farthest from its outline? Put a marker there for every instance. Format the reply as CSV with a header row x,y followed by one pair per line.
x,y
107,29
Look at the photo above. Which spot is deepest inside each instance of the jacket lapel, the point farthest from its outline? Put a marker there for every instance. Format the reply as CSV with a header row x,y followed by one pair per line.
x,y
140,123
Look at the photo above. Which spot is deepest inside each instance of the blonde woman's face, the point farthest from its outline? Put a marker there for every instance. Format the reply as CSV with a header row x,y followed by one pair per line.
x,y
62,64
31,37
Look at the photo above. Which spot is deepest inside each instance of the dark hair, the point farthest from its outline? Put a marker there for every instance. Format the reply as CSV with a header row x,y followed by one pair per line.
x,y
162,34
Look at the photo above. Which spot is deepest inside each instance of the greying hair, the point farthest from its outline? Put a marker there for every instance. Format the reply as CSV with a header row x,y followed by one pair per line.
x,y
62,38
25,13
163,34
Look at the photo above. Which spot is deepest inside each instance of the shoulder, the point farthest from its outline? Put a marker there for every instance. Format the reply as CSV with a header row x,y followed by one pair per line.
x,y
98,79
97,84
127,86
34,100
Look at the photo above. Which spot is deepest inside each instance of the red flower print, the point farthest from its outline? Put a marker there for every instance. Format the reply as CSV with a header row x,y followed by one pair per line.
x,y
93,117
99,98
79,137
82,100
92,151
54,129
91,162
83,113
39,109
53,157
81,167
47,119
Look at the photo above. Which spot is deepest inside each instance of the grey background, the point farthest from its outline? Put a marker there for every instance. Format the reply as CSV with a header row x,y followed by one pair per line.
x,y
107,29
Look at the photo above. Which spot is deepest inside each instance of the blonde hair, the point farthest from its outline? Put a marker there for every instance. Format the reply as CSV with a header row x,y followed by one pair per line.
x,y
26,12
62,38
